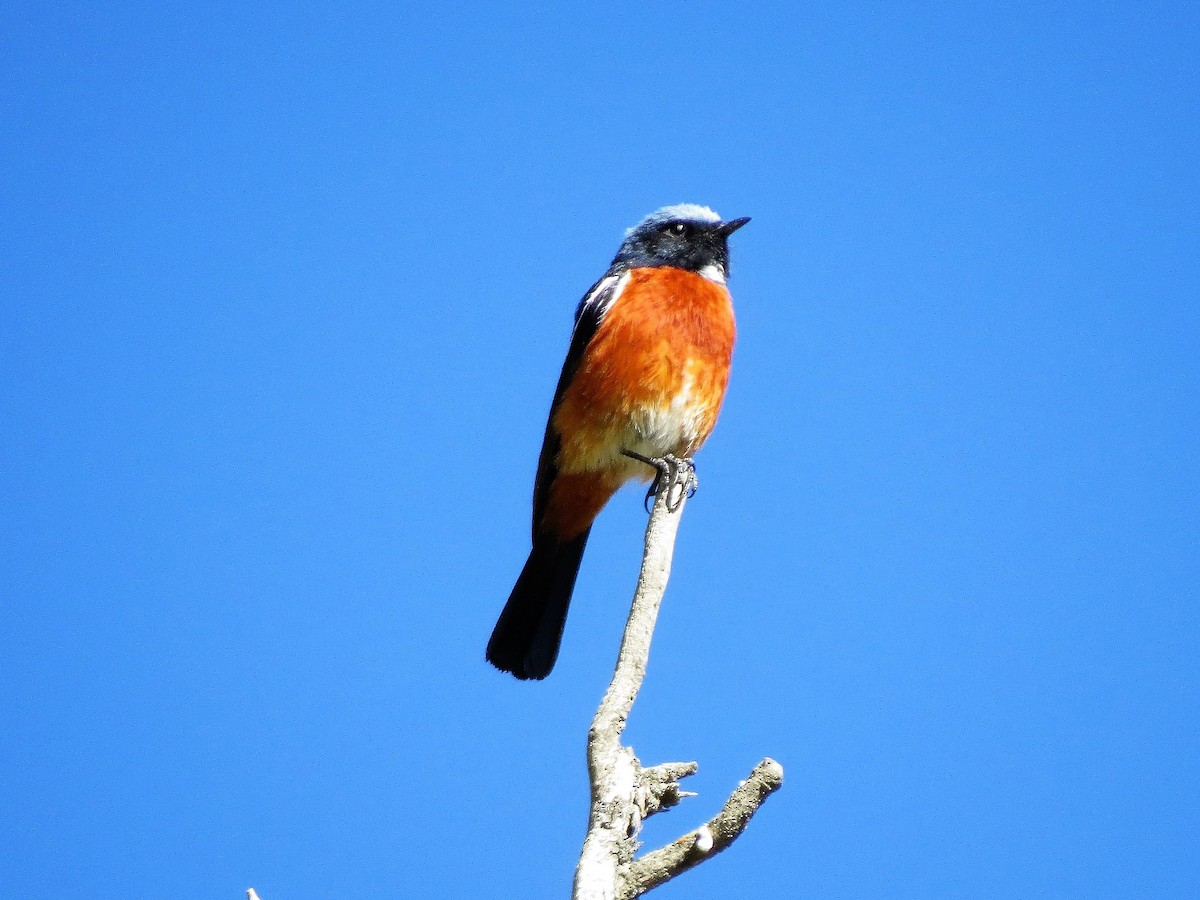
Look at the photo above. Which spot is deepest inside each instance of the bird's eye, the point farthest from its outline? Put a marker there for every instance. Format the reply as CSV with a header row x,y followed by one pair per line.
x,y
676,229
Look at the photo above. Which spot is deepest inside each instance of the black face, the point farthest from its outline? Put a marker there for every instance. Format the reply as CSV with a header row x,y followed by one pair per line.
x,y
681,243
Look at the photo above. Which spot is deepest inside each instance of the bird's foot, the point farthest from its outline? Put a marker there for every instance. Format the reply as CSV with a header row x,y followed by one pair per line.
x,y
676,475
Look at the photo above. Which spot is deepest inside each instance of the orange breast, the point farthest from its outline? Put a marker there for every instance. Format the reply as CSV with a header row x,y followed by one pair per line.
x,y
653,376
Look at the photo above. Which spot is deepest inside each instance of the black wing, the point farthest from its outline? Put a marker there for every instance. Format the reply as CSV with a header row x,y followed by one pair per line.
x,y
588,316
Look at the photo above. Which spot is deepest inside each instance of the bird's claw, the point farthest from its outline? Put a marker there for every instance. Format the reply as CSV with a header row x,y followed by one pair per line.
x,y
678,474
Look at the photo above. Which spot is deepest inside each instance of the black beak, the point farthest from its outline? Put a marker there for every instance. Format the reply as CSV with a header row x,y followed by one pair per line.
x,y
732,225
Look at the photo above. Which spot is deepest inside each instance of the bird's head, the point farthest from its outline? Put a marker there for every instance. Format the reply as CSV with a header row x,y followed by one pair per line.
x,y
685,236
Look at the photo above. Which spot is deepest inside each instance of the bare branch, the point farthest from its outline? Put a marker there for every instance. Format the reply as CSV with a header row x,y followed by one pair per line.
x,y
612,769
711,838
623,792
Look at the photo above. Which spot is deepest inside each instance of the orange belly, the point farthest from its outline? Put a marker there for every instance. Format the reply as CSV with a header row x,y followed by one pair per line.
x,y
651,380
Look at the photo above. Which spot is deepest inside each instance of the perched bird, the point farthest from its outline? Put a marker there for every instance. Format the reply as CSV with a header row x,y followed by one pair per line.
x,y
645,374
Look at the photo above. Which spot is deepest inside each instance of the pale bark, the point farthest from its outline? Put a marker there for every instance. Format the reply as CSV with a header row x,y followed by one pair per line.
x,y
624,792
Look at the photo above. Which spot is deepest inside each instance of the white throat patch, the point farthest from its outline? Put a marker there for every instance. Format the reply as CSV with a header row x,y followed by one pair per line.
x,y
713,272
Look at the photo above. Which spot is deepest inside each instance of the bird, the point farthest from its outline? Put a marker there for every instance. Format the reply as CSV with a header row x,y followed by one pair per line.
x,y
644,380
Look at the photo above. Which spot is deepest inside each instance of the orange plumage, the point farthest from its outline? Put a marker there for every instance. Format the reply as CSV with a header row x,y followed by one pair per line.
x,y
646,373
652,381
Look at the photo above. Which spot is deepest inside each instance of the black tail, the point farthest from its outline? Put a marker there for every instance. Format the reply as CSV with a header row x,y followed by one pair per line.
x,y
526,637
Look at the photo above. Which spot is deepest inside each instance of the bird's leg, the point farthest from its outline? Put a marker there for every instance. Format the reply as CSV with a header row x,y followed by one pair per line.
x,y
677,474
664,471
683,477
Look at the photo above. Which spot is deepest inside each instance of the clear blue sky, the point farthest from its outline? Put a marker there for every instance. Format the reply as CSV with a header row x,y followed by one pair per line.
x,y
284,291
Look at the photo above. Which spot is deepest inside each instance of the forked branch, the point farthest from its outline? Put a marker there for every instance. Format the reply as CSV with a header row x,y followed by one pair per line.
x,y
623,793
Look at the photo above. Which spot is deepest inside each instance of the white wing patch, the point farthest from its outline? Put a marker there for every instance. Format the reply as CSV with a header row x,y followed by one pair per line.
x,y
598,301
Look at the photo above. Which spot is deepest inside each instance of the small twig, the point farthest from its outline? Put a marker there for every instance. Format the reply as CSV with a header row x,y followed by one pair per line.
x,y
711,838
660,786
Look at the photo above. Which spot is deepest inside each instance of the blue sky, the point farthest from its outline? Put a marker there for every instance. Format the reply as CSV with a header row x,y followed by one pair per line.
x,y
285,294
